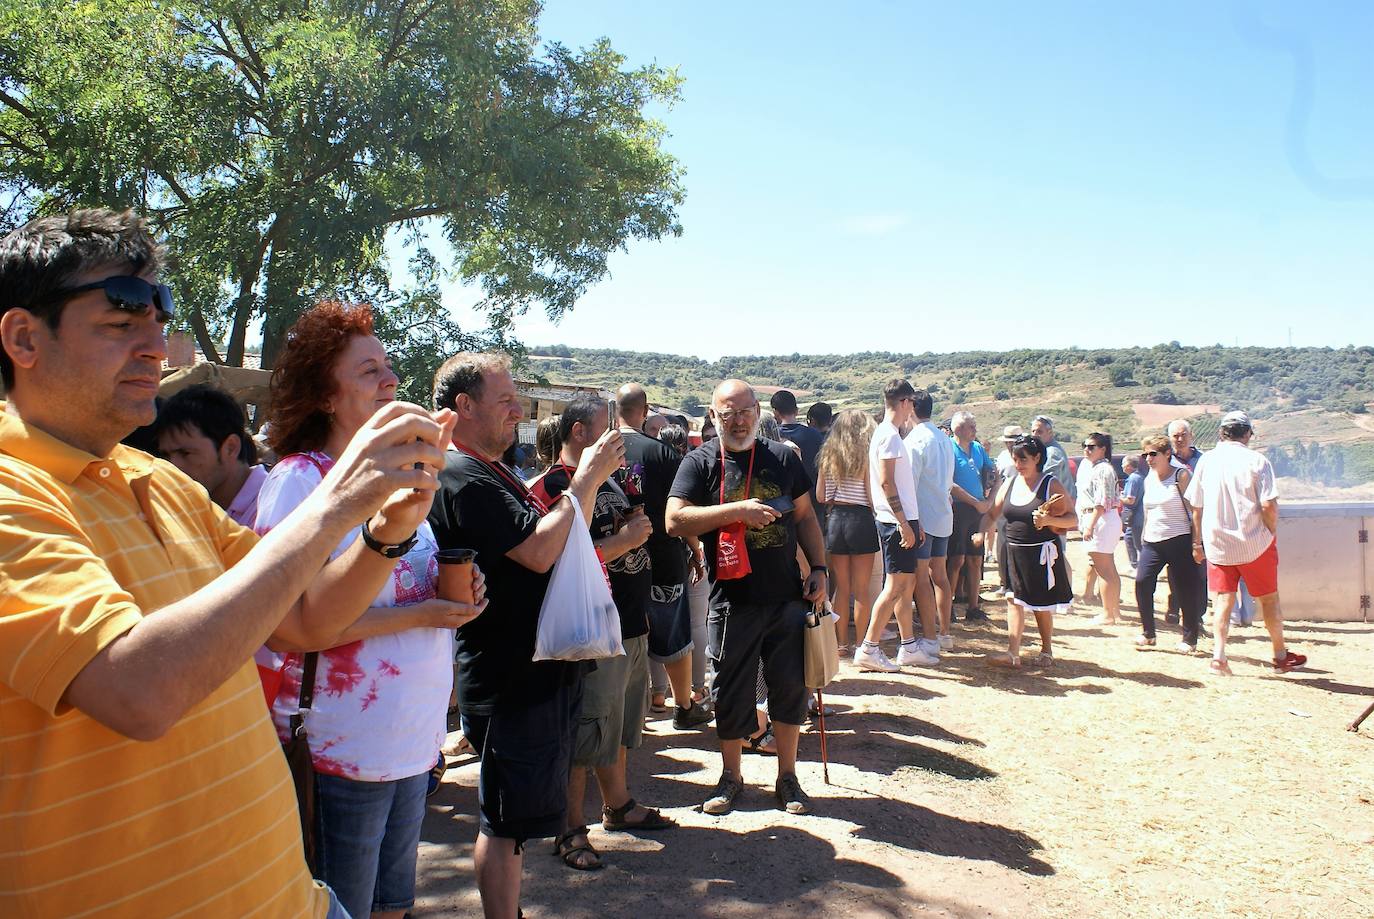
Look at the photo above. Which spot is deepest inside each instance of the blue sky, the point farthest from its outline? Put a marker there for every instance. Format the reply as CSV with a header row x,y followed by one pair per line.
x,y
939,177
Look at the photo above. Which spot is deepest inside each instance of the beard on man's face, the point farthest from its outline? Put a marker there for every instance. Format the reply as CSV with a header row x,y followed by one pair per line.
x,y
743,441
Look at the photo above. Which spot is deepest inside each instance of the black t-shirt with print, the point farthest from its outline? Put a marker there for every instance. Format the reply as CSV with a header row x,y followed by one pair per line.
x,y
630,579
648,473
774,576
475,508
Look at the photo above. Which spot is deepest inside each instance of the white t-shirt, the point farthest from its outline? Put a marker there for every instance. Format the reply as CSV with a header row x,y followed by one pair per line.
x,y
887,444
381,703
1229,484
932,452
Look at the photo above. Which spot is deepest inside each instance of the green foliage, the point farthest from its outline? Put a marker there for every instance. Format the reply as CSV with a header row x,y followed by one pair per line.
x,y
1119,375
276,143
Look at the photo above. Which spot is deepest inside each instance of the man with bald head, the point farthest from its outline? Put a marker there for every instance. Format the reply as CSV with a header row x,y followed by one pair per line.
x,y
648,473
749,501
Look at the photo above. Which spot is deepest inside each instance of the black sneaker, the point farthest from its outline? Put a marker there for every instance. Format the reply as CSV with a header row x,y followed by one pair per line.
x,y
790,796
1171,618
723,796
976,616
693,717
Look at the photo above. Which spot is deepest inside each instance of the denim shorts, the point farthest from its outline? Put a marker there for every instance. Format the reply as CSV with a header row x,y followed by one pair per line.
x,y
933,547
896,560
670,623
850,530
369,838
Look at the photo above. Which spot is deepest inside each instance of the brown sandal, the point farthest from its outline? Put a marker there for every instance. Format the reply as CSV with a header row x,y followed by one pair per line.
x,y
564,849
613,819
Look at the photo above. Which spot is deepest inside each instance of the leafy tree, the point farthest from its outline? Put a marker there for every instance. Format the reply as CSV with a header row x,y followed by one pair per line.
x,y
1119,375
276,143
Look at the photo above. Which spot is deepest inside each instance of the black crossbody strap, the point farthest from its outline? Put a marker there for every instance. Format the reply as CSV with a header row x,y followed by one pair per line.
x,y
307,697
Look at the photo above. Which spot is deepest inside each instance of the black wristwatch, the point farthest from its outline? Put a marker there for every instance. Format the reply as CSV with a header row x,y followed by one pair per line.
x,y
815,568
386,550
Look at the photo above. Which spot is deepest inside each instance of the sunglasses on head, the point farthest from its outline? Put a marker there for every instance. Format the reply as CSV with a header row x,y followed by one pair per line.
x,y
125,293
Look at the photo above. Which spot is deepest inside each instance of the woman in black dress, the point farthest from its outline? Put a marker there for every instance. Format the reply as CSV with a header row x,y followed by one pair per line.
x,y
1037,509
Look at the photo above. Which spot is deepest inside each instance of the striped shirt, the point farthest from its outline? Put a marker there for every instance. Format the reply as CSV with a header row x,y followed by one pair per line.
x,y
200,822
1230,484
1165,515
846,491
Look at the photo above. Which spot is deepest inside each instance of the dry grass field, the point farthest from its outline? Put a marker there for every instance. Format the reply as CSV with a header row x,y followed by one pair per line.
x,y
1118,783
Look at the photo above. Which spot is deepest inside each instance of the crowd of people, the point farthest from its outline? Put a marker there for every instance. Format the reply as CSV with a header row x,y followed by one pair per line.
x,y
152,604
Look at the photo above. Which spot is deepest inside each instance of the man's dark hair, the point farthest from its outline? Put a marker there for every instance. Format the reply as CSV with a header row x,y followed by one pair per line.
x,y
679,420
47,255
1234,431
212,412
583,408
820,415
924,405
895,391
783,403
1102,440
465,374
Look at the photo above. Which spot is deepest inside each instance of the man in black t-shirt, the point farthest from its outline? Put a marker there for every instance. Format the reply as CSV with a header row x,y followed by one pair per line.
x,y
748,494
615,694
808,440
519,714
650,467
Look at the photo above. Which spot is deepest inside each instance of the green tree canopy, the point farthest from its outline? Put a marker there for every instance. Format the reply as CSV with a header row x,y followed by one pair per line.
x,y
277,142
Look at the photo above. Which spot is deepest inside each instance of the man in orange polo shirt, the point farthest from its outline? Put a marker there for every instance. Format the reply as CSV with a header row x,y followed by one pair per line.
x,y
141,775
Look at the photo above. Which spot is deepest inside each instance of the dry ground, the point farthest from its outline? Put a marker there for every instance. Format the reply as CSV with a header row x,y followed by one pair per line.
x,y
1119,783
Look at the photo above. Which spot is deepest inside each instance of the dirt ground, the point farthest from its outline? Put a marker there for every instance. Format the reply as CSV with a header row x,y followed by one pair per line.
x,y
1119,783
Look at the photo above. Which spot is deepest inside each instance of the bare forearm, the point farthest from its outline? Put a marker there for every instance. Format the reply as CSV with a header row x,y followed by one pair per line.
x,y
376,620
809,535
689,520
1269,513
147,679
331,605
961,495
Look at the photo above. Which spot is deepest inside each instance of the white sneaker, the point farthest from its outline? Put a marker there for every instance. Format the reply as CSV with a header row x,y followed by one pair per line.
x,y
946,642
930,646
913,656
874,661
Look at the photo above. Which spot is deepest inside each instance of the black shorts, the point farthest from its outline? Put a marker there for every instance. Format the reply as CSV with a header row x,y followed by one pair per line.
x,y
740,637
897,560
522,788
850,530
967,523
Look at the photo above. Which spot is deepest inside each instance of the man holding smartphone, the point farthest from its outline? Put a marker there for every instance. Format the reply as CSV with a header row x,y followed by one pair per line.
x,y
757,611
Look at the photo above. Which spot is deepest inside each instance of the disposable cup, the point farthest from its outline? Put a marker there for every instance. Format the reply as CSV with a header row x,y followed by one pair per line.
x,y
455,574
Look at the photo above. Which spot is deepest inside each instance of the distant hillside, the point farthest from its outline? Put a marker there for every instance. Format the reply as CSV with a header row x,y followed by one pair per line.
x,y
1295,395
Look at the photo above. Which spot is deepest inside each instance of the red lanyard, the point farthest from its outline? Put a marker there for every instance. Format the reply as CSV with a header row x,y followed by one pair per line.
x,y
530,498
749,476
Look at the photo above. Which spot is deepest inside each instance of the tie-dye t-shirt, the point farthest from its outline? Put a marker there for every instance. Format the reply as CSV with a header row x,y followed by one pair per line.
x,y
381,704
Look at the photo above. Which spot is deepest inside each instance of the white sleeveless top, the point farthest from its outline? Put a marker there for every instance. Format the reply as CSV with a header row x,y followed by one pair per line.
x,y
1165,514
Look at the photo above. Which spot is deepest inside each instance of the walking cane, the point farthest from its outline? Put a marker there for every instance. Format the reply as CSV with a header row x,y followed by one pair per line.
x,y
820,718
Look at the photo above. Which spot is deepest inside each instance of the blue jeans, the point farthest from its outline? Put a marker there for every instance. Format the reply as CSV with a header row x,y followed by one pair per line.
x,y
1132,540
336,910
369,840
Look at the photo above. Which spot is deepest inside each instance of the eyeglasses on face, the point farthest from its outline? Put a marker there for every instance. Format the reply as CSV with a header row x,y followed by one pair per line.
x,y
729,415
1153,453
126,293
1091,446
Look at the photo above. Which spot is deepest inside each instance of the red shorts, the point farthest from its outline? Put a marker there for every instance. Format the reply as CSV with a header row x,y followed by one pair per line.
x,y
1261,575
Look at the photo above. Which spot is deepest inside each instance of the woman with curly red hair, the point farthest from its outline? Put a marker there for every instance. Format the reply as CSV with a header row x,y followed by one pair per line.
x,y
379,713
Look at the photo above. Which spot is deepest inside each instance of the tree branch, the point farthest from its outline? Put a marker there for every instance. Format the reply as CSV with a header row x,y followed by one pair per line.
x,y
202,333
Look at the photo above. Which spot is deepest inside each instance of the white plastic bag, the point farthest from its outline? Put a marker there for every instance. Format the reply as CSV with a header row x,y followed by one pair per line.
x,y
578,620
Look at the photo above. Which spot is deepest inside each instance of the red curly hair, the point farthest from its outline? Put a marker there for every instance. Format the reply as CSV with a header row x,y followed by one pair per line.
x,y
304,378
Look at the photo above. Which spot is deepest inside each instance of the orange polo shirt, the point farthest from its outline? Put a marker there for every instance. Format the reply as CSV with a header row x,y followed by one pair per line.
x,y
201,822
